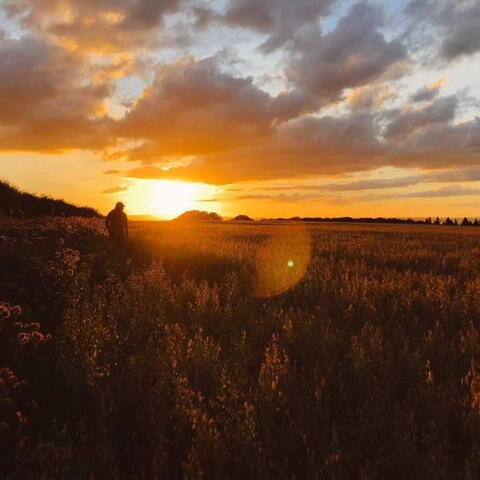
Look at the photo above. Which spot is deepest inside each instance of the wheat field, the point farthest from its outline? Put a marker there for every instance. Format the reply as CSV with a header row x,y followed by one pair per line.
x,y
234,350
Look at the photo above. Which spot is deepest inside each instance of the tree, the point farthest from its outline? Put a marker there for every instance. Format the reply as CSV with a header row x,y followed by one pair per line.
x,y
199,216
242,218
448,221
437,221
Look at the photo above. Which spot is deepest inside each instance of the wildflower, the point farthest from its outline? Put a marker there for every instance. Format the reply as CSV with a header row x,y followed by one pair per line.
x,y
37,337
16,310
5,372
4,311
22,419
23,337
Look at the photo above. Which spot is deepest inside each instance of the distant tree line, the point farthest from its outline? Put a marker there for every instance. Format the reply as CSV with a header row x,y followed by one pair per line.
x,y
202,216
448,221
427,221
15,203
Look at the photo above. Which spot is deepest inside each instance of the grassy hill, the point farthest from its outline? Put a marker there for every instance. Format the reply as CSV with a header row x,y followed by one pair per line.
x,y
15,203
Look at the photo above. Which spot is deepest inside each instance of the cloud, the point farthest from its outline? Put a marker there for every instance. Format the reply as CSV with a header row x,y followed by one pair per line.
x,y
203,124
444,192
194,108
204,17
92,25
428,93
407,120
462,32
201,120
279,19
118,189
440,145
453,28
469,175
370,97
47,102
305,146
449,191
354,54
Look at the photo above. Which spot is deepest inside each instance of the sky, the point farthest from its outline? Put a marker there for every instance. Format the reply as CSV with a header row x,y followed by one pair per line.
x,y
271,108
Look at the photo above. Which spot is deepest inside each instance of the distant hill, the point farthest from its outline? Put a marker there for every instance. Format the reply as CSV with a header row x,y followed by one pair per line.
x,y
15,203
199,216
242,218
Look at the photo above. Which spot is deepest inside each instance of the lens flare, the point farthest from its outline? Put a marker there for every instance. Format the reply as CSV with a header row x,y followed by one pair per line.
x,y
281,261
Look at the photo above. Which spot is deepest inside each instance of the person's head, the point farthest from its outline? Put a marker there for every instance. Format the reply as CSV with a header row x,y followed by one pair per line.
x,y
120,206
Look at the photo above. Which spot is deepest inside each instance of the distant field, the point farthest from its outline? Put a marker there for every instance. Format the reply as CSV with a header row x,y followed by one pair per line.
x,y
241,351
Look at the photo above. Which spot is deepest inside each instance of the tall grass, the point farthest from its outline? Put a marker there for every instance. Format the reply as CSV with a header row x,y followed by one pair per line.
x,y
167,364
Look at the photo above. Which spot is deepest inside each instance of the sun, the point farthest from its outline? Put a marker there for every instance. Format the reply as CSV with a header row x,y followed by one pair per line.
x,y
166,199
170,199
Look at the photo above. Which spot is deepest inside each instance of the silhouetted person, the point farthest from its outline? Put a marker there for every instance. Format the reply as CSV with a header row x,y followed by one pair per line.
x,y
117,224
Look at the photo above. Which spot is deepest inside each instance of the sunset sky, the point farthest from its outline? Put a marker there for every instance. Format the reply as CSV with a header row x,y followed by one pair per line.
x,y
266,108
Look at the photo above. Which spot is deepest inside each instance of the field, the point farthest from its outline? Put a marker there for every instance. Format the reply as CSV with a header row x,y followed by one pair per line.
x,y
239,351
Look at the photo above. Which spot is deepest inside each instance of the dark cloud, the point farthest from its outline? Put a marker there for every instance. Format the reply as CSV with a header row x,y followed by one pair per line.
x,y
428,93
462,31
406,121
47,102
354,54
453,30
440,145
95,25
279,19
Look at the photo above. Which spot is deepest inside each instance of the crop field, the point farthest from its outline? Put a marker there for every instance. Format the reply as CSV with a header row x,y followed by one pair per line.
x,y
243,351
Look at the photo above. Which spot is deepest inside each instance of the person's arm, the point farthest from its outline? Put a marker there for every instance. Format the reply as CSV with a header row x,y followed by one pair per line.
x,y
107,222
126,225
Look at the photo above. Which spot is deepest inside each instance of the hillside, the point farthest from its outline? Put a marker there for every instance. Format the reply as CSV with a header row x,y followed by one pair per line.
x,y
15,203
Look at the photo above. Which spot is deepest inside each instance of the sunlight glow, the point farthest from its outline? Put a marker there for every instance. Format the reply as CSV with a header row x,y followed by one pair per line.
x,y
167,199
174,198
